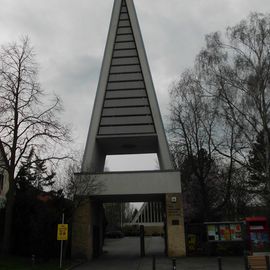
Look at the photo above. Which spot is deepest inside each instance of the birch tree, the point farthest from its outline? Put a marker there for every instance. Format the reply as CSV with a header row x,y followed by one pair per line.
x,y
236,69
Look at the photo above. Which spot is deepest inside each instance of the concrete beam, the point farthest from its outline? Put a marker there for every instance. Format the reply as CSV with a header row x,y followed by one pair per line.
x,y
128,183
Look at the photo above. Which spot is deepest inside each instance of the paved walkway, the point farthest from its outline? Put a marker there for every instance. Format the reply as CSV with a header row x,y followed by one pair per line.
x,y
124,254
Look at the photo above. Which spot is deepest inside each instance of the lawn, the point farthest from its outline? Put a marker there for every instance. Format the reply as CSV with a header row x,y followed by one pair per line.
x,y
16,263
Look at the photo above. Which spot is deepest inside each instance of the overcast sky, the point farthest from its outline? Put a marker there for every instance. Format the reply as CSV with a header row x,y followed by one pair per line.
x,y
69,38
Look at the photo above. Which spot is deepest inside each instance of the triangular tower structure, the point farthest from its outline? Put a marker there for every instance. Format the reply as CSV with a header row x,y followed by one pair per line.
x,y
126,120
126,117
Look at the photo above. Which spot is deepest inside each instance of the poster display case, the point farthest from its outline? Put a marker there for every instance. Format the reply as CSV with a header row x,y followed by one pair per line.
x,y
224,231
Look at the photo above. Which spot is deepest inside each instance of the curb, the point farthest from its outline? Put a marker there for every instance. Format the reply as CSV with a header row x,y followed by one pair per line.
x,y
75,265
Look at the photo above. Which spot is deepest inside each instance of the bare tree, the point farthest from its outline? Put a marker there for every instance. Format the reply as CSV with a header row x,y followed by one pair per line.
x,y
193,117
193,122
200,134
75,184
236,69
25,121
223,105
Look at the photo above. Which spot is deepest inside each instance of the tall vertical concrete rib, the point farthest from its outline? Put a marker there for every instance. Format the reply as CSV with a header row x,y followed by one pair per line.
x,y
126,117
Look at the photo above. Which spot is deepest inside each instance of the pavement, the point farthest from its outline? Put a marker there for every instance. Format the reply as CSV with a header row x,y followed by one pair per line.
x,y
124,254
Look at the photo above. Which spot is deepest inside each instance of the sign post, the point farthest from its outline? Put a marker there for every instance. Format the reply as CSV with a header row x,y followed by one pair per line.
x,y
62,235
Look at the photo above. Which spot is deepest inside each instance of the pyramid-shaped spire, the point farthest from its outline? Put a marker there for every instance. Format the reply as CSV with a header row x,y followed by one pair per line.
x,y
126,108
126,117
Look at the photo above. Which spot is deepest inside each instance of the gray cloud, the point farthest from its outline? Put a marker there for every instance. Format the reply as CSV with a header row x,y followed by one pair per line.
x,y
69,38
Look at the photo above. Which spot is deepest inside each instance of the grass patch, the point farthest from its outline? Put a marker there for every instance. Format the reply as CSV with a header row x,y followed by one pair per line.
x,y
17,263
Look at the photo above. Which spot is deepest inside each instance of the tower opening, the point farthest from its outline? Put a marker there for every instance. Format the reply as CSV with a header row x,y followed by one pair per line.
x,y
143,162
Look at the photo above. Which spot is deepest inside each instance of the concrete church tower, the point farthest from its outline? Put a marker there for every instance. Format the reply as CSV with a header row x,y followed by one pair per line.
x,y
126,120
126,117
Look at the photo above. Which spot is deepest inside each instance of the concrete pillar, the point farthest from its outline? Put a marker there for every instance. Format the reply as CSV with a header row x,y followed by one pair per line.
x,y
87,229
82,230
176,246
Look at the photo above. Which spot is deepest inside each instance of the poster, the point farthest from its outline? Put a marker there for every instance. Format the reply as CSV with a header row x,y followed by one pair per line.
x,y
236,232
213,234
225,234
224,231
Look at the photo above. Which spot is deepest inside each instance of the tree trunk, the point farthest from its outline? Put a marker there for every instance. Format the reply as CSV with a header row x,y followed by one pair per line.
x,y
6,245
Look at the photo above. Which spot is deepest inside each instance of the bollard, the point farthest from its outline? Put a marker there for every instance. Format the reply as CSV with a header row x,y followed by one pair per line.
x,y
267,263
154,263
33,260
246,262
142,241
219,263
174,264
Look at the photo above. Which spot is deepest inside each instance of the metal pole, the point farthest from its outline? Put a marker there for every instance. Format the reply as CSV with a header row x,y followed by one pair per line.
x,y
154,262
267,263
121,217
219,263
246,262
61,249
142,241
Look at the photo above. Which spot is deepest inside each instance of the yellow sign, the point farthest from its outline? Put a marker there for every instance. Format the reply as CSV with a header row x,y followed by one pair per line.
x,y
62,232
192,239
